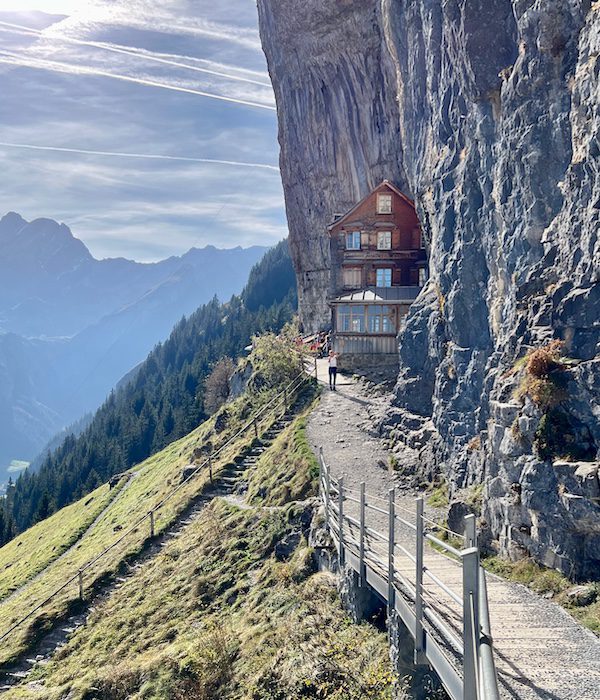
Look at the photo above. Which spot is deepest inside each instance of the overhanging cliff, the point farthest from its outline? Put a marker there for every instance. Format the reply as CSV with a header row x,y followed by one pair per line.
x,y
486,112
339,127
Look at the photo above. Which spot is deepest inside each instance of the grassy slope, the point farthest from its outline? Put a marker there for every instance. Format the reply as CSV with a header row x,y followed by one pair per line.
x,y
288,471
150,482
215,614
32,551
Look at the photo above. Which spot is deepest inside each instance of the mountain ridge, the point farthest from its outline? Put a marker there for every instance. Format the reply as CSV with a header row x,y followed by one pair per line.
x,y
72,325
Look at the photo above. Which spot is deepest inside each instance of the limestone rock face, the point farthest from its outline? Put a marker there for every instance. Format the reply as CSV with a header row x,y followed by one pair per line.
x,y
339,126
487,113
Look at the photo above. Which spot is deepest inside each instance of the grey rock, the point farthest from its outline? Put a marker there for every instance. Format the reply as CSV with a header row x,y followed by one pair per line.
x,y
582,595
187,471
487,114
285,547
457,513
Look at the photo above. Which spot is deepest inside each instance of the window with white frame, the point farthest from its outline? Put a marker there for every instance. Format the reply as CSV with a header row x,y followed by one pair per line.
x,y
384,240
380,319
353,240
384,277
352,277
384,203
350,318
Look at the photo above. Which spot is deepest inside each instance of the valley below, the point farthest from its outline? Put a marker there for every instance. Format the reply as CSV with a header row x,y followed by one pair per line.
x,y
72,326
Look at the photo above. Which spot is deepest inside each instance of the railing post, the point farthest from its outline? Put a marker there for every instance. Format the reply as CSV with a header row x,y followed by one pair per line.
x,y
316,371
470,530
210,471
391,546
341,516
255,429
80,582
285,400
419,547
327,487
470,567
361,543
151,514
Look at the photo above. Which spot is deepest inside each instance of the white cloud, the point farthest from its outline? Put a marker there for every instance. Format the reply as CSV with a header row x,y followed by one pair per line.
x,y
162,198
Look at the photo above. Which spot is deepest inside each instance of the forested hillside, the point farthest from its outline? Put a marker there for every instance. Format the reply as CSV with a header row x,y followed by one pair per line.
x,y
71,325
163,400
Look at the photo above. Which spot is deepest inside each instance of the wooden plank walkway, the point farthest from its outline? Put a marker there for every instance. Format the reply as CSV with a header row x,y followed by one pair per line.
x,y
540,650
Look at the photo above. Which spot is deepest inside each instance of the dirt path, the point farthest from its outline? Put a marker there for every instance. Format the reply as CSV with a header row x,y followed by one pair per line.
x,y
540,650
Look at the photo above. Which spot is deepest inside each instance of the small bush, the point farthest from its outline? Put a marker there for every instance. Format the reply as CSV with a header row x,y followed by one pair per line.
x,y
474,443
439,496
541,362
544,380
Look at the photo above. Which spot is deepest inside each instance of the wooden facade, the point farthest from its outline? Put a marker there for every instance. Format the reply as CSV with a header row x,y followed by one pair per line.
x,y
378,243
379,265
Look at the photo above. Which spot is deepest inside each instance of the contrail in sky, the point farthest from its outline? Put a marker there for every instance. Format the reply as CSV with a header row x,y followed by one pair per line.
x,y
59,67
130,51
146,156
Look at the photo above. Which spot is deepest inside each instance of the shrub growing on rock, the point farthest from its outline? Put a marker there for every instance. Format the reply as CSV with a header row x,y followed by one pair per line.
x,y
544,380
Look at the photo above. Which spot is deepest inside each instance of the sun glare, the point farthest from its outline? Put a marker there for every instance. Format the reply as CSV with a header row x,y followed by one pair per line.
x,y
52,7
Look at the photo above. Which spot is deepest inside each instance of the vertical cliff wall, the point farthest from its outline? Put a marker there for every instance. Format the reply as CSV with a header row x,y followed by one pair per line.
x,y
486,112
339,126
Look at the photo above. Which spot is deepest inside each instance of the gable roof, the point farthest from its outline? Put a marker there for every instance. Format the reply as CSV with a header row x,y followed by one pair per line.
x,y
385,183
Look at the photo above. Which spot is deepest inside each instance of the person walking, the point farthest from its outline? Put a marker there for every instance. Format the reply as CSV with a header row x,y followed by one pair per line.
x,y
333,356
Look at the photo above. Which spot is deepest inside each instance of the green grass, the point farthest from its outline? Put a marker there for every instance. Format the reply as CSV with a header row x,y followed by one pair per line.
x,y
152,481
216,614
288,471
546,582
438,498
32,551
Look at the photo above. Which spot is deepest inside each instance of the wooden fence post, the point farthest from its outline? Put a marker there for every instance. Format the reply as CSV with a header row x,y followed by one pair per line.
x,y
361,545
391,546
341,517
470,567
255,429
316,370
419,647
151,514
80,582
210,471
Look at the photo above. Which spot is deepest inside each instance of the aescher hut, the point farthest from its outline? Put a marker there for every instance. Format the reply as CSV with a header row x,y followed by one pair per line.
x,y
379,265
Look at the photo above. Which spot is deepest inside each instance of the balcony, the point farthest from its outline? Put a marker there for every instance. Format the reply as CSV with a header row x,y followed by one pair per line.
x,y
379,295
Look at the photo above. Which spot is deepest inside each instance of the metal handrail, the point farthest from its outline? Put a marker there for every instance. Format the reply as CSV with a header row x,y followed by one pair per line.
x,y
488,676
469,612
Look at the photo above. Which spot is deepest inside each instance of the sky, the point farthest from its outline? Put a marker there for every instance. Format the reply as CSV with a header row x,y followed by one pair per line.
x,y
172,84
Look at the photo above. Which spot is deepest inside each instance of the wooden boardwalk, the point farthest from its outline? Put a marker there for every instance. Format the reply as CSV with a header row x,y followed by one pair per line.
x,y
539,650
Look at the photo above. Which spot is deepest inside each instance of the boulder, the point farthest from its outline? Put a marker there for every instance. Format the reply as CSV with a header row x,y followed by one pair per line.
x,y
582,595
285,547
187,472
456,516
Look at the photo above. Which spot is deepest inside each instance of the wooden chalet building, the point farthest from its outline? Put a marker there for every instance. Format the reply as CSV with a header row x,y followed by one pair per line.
x,y
378,266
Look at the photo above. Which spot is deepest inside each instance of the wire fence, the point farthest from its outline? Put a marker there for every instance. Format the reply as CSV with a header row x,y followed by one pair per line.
x,y
272,409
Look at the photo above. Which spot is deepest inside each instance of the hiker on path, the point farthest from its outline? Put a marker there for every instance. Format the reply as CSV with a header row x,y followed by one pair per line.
x,y
333,356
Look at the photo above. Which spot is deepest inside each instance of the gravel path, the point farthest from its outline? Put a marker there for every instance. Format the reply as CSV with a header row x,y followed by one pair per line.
x,y
540,650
